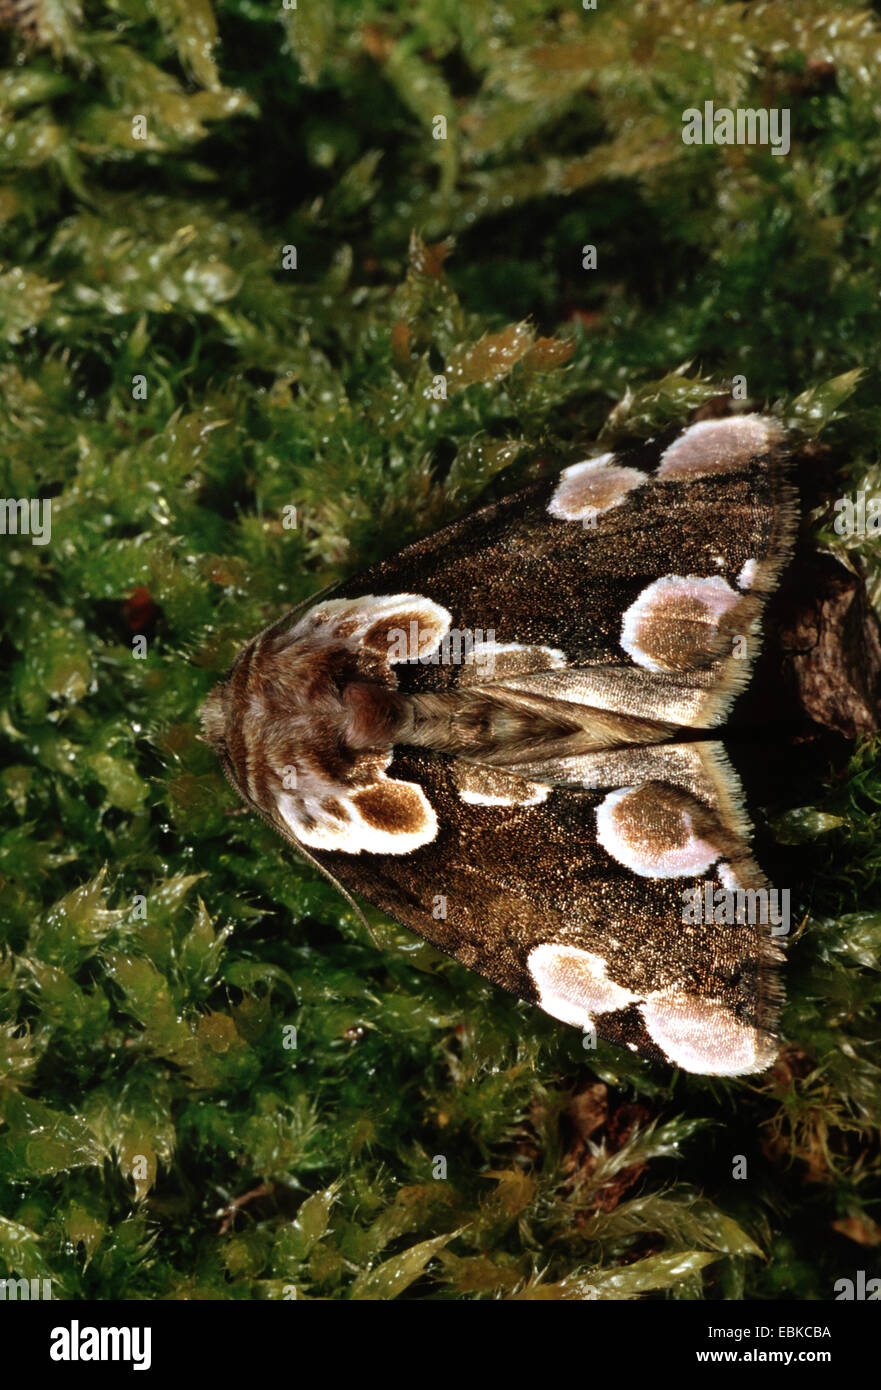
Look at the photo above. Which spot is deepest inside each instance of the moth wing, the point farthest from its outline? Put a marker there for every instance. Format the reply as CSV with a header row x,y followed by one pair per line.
x,y
631,582
573,896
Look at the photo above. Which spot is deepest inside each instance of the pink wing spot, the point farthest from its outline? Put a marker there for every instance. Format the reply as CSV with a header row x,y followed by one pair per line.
x,y
650,831
594,486
702,1035
677,623
573,985
719,446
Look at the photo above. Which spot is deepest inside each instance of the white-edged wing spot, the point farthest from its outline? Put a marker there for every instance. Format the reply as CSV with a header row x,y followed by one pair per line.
x,y
397,627
594,486
386,817
488,786
651,830
677,623
491,660
718,446
702,1035
573,985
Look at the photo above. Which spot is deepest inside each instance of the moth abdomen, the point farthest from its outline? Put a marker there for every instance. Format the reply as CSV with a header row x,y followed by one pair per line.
x,y
502,726
482,723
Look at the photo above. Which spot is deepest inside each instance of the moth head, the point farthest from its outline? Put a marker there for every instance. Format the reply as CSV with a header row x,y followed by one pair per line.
x,y
216,716
213,715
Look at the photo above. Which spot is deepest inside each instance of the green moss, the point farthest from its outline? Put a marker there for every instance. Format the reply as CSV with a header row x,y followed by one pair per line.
x,y
211,1081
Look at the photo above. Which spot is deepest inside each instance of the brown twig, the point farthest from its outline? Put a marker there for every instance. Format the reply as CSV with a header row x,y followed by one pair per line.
x,y
230,1212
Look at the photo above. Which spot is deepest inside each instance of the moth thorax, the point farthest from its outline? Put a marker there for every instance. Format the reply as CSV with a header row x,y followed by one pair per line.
x,y
374,715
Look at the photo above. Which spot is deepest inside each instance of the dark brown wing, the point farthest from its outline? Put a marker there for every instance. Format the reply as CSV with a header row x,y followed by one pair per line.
x,y
529,895
578,563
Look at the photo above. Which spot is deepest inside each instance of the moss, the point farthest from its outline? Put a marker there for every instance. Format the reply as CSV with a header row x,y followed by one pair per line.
x,y
212,1083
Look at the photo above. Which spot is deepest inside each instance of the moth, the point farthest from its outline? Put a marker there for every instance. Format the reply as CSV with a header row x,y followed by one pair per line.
x,y
506,737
